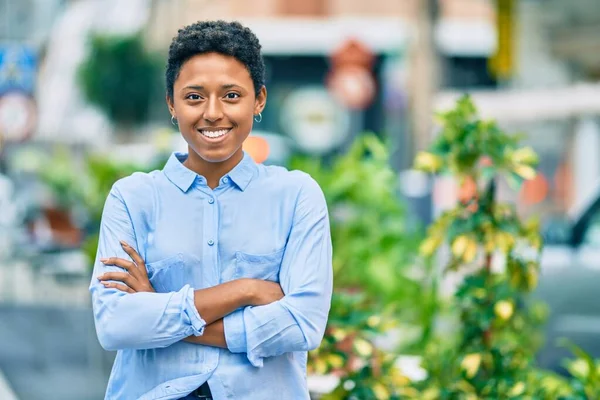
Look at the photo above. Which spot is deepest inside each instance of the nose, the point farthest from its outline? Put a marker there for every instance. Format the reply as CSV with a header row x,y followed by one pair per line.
x,y
213,111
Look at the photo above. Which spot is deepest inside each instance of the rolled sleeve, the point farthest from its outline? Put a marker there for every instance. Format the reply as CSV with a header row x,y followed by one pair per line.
x,y
193,319
136,320
235,332
297,322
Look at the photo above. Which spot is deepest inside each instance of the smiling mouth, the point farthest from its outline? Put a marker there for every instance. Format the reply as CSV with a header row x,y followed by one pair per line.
x,y
214,133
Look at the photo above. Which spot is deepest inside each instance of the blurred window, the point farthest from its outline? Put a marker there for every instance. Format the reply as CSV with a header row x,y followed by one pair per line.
x,y
466,73
556,231
591,236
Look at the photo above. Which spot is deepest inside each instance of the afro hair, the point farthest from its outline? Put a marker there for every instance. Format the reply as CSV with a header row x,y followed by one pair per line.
x,y
227,38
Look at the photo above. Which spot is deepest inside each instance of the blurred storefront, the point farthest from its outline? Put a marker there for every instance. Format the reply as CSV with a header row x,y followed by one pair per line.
x,y
540,80
313,107
523,61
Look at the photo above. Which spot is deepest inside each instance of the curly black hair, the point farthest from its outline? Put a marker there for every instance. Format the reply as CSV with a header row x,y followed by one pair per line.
x,y
227,38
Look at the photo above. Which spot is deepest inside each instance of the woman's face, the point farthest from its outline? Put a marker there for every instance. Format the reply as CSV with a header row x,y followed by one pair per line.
x,y
214,102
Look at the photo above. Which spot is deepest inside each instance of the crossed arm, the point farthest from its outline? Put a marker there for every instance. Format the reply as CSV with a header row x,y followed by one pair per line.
x,y
212,303
248,316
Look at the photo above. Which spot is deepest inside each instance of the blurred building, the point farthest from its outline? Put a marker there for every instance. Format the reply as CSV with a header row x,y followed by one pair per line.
x,y
531,64
299,39
545,69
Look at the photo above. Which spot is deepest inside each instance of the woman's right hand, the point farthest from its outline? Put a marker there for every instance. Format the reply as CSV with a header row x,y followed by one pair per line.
x,y
263,292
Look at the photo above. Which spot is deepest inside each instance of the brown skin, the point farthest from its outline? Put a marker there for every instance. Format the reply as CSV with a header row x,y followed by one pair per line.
x,y
215,91
212,303
212,91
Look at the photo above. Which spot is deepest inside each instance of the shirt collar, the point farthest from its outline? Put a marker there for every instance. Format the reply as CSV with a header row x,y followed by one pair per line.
x,y
243,173
183,178
177,173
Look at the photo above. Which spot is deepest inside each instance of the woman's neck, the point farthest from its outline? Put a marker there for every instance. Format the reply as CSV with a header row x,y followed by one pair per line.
x,y
212,171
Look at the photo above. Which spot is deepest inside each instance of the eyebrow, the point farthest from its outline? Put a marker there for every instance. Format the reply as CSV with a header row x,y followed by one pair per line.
x,y
226,86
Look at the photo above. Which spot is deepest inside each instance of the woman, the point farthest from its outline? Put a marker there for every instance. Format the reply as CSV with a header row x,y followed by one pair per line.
x,y
213,276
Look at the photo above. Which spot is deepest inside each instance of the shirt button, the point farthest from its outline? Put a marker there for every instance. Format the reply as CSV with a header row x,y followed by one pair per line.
x,y
211,200
225,180
211,242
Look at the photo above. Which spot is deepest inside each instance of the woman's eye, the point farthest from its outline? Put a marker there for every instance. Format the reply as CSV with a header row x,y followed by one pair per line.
x,y
232,96
193,97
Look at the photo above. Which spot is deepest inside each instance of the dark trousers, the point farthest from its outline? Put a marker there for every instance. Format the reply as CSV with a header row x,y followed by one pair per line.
x,y
202,393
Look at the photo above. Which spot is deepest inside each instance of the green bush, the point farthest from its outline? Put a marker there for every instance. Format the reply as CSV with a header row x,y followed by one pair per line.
x,y
121,77
492,355
377,278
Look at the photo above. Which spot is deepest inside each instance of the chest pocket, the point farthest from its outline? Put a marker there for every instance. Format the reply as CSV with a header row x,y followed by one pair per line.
x,y
167,275
265,267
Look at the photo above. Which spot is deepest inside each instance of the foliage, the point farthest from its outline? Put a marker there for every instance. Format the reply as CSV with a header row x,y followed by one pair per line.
x,y
585,374
120,77
374,269
86,184
372,240
348,352
377,379
497,253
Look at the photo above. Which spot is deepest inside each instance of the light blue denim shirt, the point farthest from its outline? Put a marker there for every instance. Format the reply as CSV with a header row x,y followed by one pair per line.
x,y
261,222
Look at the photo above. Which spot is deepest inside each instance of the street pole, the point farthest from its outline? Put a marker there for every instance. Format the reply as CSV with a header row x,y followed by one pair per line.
x,y
424,76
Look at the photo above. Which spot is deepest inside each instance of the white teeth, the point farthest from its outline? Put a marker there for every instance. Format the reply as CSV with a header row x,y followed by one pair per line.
x,y
214,134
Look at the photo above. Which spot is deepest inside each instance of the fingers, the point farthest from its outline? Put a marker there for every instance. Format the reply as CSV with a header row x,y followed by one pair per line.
x,y
118,276
119,262
118,286
139,262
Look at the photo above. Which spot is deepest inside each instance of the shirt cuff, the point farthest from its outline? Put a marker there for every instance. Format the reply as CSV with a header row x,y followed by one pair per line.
x,y
235,332
193,318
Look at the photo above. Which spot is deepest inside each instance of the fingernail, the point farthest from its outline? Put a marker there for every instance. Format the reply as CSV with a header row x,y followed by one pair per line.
x,y
103,260
99,277
123,243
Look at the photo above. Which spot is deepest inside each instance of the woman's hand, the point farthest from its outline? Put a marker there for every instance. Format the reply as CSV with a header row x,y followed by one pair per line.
x,y
135,279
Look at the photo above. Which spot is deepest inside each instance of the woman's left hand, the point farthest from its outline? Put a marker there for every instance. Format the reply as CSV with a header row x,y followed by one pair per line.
x,y
135,279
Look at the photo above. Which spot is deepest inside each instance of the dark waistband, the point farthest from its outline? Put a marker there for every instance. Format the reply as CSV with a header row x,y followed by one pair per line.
x,y
203,392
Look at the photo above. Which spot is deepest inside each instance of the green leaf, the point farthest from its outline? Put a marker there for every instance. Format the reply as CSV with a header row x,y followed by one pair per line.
x,y
514,181
488,173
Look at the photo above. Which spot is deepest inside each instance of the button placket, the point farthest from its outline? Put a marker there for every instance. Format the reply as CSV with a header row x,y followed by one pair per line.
x,y
210,256
211,200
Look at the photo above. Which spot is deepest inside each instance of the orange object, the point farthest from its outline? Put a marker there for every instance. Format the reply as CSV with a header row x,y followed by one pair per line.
x,y
350,79
257,148
353,53
563,181
485,161
468,190
534,190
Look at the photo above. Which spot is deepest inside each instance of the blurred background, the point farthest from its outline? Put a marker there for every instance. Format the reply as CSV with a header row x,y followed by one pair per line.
x,y
82,104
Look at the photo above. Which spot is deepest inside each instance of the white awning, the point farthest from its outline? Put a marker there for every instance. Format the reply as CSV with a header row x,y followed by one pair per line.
x,y
315,36
530,104
466,38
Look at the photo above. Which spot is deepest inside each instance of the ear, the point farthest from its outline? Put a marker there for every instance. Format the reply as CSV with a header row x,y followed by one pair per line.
x,y
261,100
170,104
